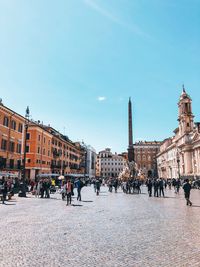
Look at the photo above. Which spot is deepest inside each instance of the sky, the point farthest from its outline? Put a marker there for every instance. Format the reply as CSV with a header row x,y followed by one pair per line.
x,y
75,63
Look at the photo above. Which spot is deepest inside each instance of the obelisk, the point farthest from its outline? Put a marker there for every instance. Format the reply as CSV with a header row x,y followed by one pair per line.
x,y
130,133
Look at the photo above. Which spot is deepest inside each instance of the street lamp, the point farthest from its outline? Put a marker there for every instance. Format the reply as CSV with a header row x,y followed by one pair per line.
x,y
22,192
85,170
178,162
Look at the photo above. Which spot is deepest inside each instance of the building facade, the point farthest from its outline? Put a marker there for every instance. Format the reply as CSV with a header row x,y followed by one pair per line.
x,y
145,157
179,156
91,158
109,164
47,150
11,140
38,150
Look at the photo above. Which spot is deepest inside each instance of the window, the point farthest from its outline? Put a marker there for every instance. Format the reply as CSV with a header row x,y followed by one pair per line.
x,y
5,121
27,149
11,163
27,136
3,144
18,164
38,151
19,148
12,146
44,151
3,162
44,140
20,127
13,125
39,137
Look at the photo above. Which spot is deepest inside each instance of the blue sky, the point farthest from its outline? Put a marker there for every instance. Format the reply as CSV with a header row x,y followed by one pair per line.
x,y
76,62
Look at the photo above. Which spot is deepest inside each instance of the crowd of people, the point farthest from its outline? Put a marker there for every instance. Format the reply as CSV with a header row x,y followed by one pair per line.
x,y
132,186
44,187
157,186
7,186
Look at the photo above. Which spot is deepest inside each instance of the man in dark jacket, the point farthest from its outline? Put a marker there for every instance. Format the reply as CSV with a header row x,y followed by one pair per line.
x,y
161,187
4,190
79,185
156,186
149,186
187,187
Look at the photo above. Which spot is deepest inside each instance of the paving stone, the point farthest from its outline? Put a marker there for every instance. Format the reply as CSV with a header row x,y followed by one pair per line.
x,y
113,229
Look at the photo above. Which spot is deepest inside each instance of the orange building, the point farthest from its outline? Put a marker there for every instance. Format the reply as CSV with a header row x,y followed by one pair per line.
x,y
38,150
11,140
66,155
47,150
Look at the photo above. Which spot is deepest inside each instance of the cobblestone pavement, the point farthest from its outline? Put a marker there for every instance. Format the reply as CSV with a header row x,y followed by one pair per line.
x,y
106,230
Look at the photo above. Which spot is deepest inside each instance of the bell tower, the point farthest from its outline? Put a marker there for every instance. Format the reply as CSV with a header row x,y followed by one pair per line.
x,y
186,117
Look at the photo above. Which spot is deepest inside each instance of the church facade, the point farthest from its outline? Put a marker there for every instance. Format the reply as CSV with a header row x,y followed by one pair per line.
x,y
179,156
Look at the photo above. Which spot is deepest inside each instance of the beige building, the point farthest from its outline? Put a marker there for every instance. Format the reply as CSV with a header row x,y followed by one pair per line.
x,y
109,164
179,156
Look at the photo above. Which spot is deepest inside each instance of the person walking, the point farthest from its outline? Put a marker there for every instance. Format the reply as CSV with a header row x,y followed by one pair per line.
x,y
4,190
42,188
115,184
79,185
69,192
178,185
149,186
170,184
156,186
38,188
97,185
161,187
110,185
187,188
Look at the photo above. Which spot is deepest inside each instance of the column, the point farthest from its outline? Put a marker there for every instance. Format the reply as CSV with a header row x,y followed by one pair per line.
x,y
188,162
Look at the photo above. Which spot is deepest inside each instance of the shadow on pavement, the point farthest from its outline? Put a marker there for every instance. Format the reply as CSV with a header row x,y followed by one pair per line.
x,y
87,201
7,204
54,198
76,205
195,206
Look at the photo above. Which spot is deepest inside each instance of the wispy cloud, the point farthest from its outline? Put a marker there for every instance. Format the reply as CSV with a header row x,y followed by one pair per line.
x,y
104,12
101,98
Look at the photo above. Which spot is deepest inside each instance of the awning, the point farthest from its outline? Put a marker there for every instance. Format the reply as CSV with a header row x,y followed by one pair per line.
x,y
75,175
8,174
48,175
